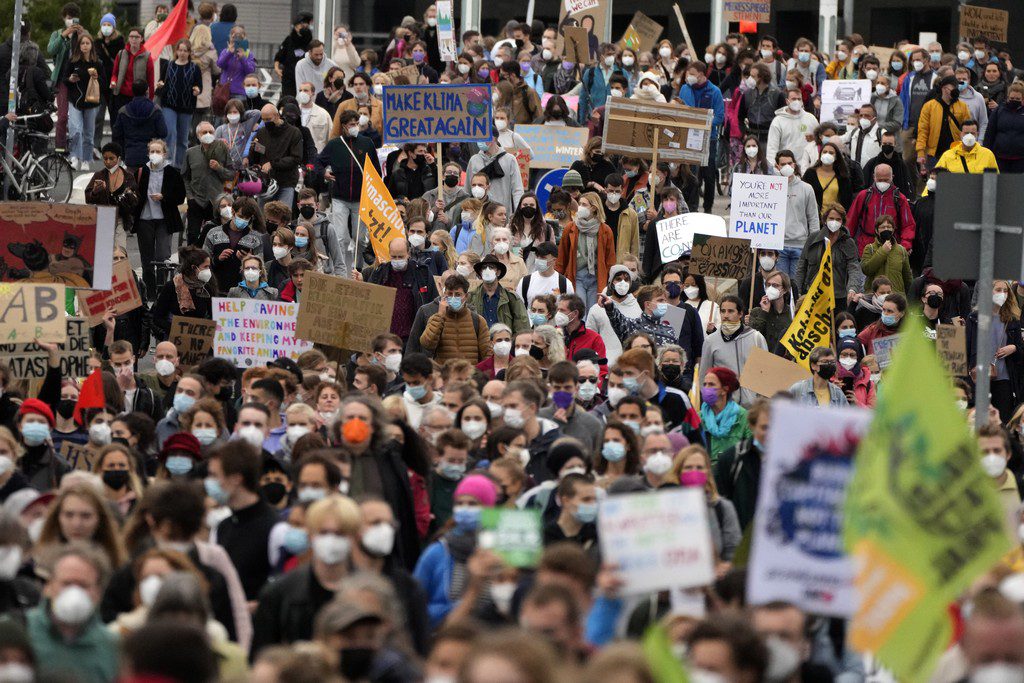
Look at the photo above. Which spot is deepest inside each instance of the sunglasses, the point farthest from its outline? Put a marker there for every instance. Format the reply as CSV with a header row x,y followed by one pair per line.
x,y
592,380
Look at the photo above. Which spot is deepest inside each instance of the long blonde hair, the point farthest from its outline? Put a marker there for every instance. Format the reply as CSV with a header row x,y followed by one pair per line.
x,y
683,455
447,247
1009,310
105,536
202,41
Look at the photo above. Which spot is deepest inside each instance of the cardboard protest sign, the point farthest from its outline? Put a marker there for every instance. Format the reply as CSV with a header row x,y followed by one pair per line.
x,y
193,339
983,22
79,456
659,540
523,159
69,244
797,552
951,345
922,519
123,295
437,113
577,45
642,33
410,73
446,31
343,313
675,234
554,146
757,11
766,374
29,361
252,333
514,535
884,54
758,210
378,210
591,15
840,98
679,133
883,347
812,324
728,257
29,312
571,101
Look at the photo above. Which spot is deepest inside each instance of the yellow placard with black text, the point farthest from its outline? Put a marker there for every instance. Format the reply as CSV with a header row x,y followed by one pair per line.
x,y
812,324
377,209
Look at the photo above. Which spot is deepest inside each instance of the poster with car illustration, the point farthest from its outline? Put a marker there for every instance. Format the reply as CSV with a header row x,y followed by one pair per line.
x,y
841,99
70,244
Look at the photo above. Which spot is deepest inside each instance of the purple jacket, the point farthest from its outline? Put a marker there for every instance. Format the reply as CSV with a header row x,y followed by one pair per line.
x,y
234,70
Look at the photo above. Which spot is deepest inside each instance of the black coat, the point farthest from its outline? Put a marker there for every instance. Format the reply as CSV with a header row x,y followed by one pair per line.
x,y
137,123
173,191
383,472
1005,132
1014,362
166,307
412,182
738,478
416,276
924,218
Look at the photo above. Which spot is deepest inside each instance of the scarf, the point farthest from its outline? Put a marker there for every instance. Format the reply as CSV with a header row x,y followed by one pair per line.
x,y
719,425
586,248
182,290
730,337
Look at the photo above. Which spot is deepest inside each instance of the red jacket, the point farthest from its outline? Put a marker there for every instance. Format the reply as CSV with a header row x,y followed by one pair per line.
x,y
583,338
288,292
869,334
860,220
863,387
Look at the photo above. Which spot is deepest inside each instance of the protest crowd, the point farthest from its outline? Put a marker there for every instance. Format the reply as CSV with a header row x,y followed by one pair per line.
x,y
398,398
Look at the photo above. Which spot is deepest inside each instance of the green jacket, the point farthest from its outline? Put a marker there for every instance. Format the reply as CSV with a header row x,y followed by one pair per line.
x,y
511,311
90,658
895,265
772,325
59,48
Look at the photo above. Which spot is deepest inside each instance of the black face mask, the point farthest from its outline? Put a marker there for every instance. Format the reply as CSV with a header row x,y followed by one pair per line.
x,y
536,352
671,372
885,236
307,211
673,289
888,149
1013,105
826,370
224,394
528,211
115,479
451,180
273,492
338,84
66,408
356,662
934,300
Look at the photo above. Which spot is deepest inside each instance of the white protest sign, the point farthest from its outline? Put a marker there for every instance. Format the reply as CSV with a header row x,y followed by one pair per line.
x,y
659,540
797,553
675,234
840,99
758,211
252,333
446,31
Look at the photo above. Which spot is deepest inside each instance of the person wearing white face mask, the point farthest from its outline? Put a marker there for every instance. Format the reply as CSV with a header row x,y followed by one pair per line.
x,y
881,198
648,88
864,141
501,344
994,444
773,314
492,299
754,161
544,279
190,292
760,102
767,50
313,116
847,277
501,248
790,127
207,167
587,249
801,214
157,217
65,629
1007,369
970,156
595,81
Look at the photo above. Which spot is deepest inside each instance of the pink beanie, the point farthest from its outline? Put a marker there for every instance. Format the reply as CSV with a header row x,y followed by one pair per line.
x,y
480,487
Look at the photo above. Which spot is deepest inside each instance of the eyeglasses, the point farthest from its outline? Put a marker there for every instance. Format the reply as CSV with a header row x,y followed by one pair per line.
x,y
592,380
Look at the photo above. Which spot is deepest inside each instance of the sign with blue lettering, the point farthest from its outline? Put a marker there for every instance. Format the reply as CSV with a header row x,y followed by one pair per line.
x,y
758,210
437,113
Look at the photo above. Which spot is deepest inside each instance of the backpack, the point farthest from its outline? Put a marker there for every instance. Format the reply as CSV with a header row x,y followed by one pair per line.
x,y
896,194
526,285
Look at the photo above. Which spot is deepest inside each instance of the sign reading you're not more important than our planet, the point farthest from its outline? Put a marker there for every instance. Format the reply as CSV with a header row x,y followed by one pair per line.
x,y
437,113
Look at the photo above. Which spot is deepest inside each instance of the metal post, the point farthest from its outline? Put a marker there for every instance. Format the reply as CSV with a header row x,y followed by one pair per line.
x,y
12,91
827,18
984,289
470,19
718,27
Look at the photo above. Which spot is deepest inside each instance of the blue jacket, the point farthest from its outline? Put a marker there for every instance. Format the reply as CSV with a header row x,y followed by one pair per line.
x,y
707,96
138,122
908,85
594,92
434,572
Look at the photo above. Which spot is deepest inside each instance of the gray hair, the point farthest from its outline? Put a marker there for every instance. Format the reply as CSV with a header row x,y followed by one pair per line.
x,y
436,408
90,553
203,123
381,588
587,363
180,593
499,327
667,348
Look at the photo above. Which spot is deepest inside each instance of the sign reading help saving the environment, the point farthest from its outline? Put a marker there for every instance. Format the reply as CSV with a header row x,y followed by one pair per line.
x,y
343,313
554,146
676,234
31,312
797,553
29,361
659,540
251,333
437,113
758,210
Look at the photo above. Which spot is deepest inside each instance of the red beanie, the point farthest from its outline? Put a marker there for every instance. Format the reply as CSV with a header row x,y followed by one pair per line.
x,y
182,442
728,379
33,406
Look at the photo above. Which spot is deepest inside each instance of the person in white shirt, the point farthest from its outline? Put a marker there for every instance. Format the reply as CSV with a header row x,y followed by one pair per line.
x,y
314,117
543,279
792,128
864,141
621,283
314,66
508,139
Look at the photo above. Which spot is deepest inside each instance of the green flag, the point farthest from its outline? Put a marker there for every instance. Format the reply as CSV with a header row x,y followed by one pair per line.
x,y
922,519
657,648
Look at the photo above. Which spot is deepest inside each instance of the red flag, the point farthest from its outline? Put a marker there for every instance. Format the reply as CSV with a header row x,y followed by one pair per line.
x,y
748,27
170,32
91,394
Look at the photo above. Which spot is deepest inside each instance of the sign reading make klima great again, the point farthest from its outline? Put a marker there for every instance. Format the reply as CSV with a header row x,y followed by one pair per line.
x,y
437,113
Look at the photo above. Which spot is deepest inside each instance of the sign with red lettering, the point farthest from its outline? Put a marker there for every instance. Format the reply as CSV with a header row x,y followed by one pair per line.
x,y
757,11
658,540
123,295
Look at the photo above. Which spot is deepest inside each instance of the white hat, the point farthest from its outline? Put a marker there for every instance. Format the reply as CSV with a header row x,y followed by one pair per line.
x,y
649,75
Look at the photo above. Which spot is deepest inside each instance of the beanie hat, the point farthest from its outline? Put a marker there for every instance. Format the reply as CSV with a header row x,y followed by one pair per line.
x,y
479,487
649,76
562,451
108,19
678,441
851,344
182,442
33,406
572,179
727,378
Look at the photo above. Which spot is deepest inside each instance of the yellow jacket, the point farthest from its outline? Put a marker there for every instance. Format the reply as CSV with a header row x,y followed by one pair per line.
x,y
628,235
929,126
841,70
978,159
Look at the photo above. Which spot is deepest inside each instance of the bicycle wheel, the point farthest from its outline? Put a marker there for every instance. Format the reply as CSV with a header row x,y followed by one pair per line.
x,y
52,180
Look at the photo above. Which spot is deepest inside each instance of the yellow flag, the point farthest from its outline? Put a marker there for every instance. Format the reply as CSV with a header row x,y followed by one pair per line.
x,y
812,324
378,211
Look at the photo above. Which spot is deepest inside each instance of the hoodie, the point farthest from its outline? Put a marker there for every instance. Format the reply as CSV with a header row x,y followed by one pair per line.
x,y
732,354
308,72
789,131
976,105
137,123
801,213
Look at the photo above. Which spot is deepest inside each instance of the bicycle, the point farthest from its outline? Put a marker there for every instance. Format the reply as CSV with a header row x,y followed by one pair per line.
x,y
31,177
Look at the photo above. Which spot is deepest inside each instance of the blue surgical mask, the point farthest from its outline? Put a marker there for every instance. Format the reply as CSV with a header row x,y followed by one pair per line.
x,y
416,393
889,320
960,86
537,319
242,223
296,540
35,433
586,513
660,310
613,451
452,471
847,333
251,91
634,425
206,436
454,303
466,517
301,242
178,465
632,384
758,445
216,491
182,402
